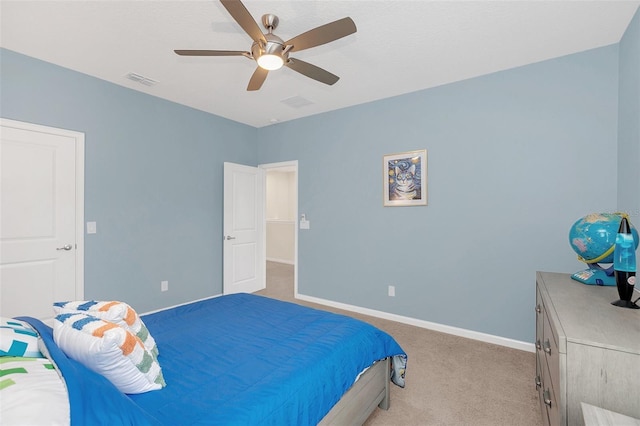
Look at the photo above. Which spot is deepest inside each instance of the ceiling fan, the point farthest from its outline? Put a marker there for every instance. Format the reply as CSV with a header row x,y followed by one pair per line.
x,y
271,52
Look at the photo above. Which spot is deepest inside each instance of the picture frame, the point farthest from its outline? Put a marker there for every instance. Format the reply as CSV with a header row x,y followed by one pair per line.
x,y
405,179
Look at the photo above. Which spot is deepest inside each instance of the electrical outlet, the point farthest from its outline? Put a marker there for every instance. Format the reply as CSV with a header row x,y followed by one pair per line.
x,y
392,291
164,285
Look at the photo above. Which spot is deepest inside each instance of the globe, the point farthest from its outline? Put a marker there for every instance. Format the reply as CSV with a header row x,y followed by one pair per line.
x,y
593,237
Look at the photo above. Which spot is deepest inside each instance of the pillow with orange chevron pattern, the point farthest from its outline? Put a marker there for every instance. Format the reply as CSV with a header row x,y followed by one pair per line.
x,y
110,350
113,311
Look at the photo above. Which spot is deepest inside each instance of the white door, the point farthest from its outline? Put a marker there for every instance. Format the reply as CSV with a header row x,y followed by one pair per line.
x,y
41,217
243,237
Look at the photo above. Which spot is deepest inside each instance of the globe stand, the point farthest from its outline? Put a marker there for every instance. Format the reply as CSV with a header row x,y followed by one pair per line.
x,y
596,275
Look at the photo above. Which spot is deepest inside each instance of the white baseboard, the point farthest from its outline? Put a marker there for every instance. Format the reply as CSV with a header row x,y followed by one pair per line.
x,y
180,304
475,335
288,262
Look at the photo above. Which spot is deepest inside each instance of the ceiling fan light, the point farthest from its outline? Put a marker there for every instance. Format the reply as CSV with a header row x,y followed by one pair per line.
x,y
270,62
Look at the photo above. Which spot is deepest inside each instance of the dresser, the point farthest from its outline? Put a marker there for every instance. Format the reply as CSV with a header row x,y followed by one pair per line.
x,y
587,350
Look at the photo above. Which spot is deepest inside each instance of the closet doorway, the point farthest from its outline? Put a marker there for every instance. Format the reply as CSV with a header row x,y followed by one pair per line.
x,y
281,230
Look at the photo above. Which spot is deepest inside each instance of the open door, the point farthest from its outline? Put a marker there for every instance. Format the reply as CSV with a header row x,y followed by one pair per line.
x,y
243,237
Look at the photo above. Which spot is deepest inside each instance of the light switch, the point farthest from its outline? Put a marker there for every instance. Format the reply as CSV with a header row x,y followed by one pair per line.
x,y
91,228
304,223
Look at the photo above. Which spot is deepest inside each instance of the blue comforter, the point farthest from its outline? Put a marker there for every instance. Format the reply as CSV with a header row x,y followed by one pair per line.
x,y
249,360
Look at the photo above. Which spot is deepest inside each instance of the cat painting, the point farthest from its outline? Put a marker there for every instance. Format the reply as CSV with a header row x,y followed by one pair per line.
x,y
405,180
406,185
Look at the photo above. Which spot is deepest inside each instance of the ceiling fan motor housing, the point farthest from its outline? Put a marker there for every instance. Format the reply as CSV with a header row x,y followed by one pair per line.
x,y
274,46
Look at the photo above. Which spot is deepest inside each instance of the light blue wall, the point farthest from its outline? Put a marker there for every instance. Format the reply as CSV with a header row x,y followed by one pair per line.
x,y
514,158
153,180
629,122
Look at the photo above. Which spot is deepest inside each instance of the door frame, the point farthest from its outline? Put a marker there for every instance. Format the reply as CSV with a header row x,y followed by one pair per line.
x,y
271,167
78,138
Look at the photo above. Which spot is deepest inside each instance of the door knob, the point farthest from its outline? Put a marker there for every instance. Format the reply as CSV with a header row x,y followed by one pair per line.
x,y
229,237
67,247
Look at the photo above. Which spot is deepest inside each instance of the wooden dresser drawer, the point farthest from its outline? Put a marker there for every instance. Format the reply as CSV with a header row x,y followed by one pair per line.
x,y
539,318
540,388
549,396
550,350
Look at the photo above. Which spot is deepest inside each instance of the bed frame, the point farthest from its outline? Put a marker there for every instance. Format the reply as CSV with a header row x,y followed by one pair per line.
x,y
369,391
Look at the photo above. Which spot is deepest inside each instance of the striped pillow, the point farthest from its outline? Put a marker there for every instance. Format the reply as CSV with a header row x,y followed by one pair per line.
x,y
17,338
117,312
110,350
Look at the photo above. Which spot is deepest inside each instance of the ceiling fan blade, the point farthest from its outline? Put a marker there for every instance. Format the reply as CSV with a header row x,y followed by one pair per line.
x,y
258,77
212,53
312,71
242,16
323,34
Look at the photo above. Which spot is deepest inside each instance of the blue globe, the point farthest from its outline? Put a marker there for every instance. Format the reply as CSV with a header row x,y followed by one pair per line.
x,y
593,237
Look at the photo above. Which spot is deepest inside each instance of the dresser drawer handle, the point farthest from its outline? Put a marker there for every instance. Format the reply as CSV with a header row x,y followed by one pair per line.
x,y
538,382
546,396
547,347
538,310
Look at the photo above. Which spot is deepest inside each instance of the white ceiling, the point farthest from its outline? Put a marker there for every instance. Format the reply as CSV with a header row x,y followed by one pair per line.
x,y
400,46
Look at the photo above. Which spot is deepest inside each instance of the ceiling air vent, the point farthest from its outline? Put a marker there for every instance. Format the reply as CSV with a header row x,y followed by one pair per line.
x,y
141,79
297,102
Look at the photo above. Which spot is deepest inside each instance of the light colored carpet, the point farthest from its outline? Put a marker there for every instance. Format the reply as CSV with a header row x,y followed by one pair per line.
x,y
450,380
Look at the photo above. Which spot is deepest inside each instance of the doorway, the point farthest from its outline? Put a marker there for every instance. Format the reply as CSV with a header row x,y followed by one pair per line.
x,y
281,230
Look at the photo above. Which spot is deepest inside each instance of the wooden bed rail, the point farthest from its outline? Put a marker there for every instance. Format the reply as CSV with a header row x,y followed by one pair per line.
x,y
371,390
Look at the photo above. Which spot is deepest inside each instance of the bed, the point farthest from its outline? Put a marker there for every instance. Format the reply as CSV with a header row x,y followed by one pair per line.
x,y
238,359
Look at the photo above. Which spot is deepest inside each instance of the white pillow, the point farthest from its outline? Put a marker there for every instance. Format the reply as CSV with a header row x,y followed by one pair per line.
x,y
110,350
17,338
113,311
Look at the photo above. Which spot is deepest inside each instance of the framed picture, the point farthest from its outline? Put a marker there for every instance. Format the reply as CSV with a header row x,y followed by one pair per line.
x,y
405,178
